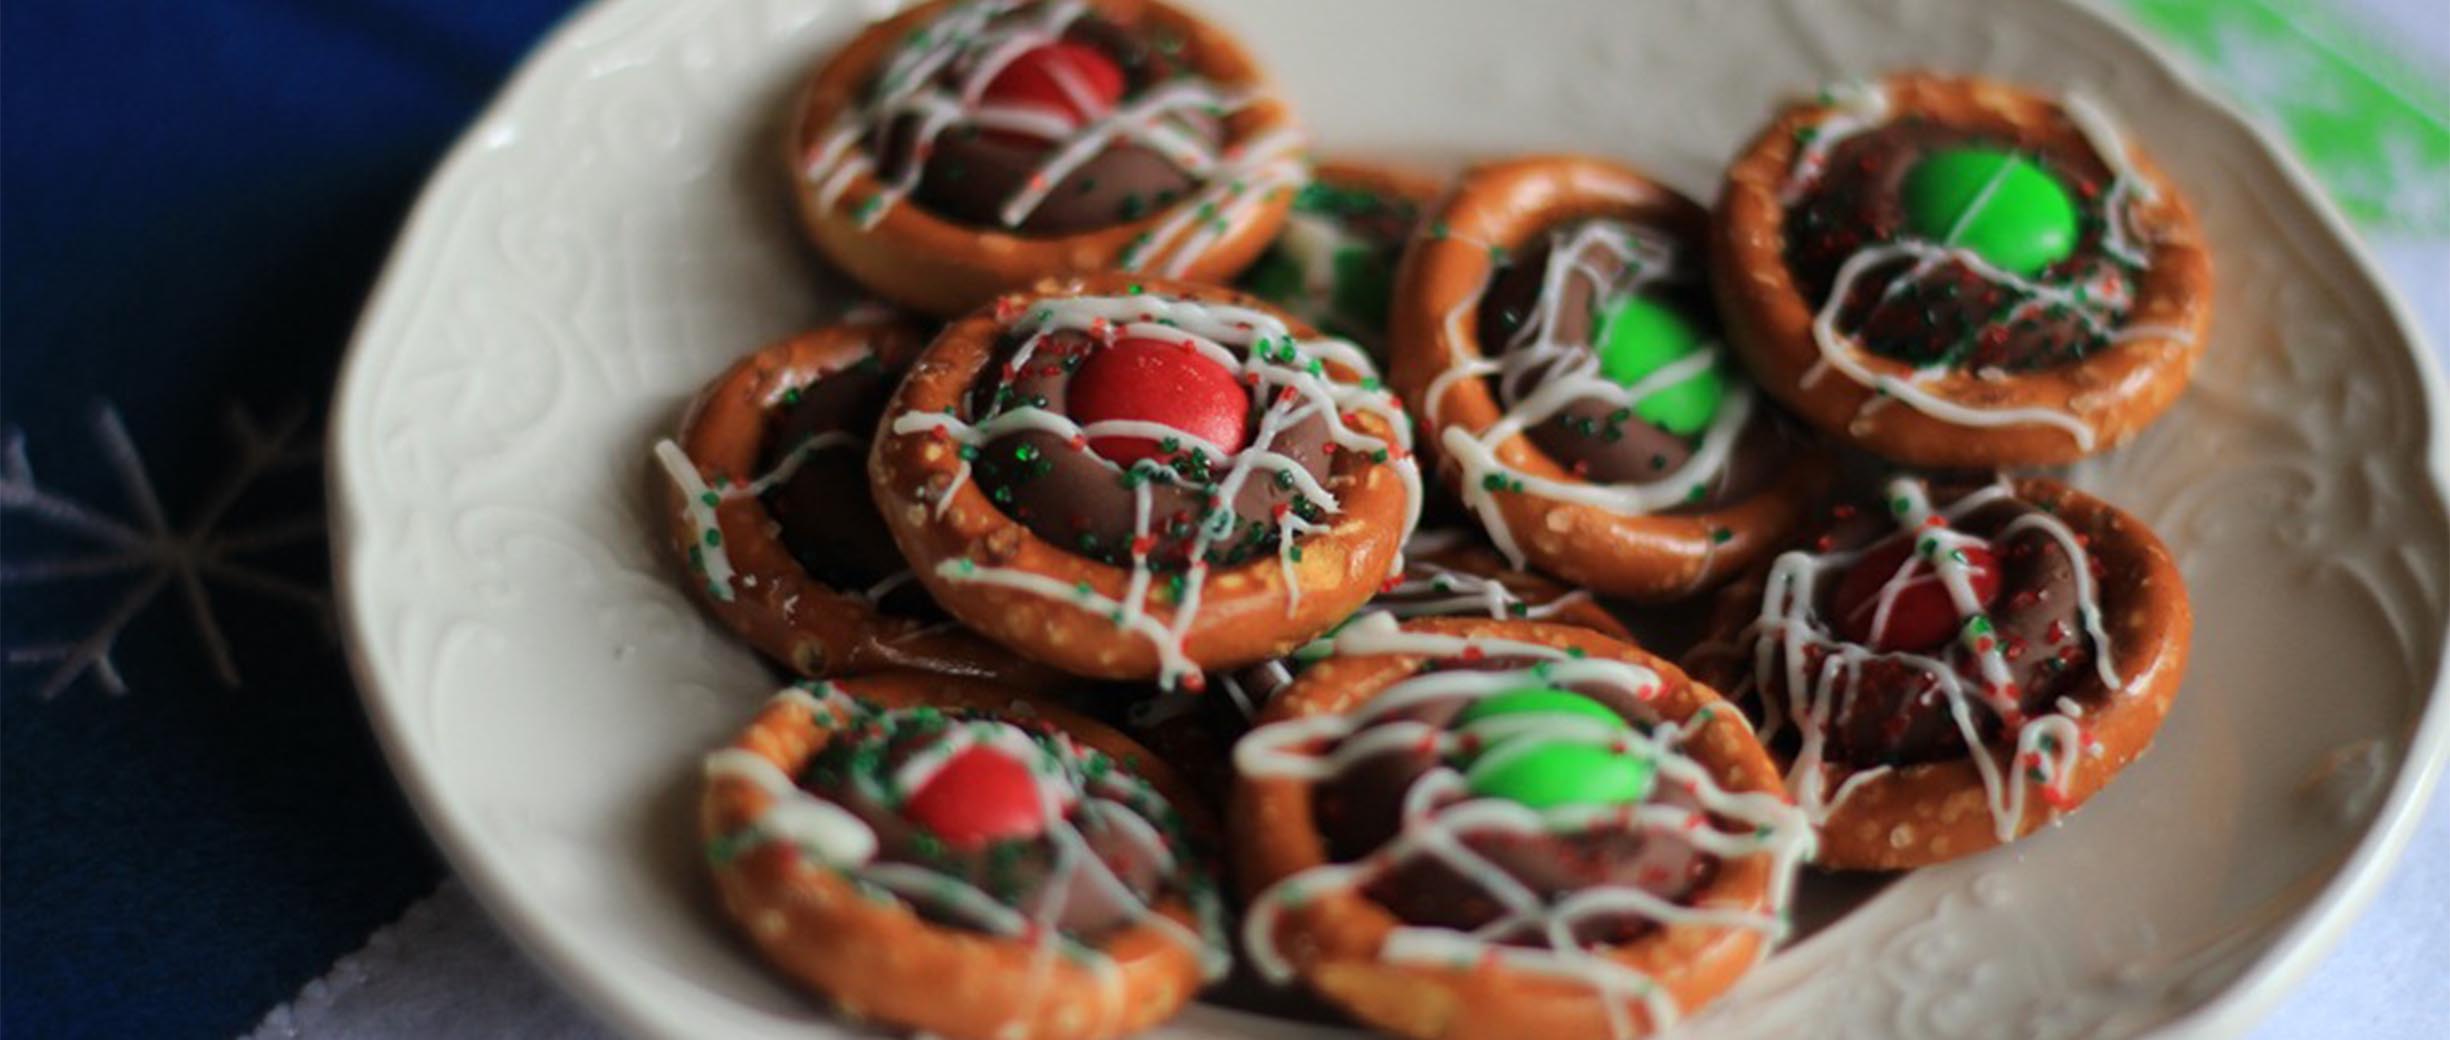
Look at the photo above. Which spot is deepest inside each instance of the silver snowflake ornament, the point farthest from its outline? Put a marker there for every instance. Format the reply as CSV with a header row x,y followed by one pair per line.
x,y
150,552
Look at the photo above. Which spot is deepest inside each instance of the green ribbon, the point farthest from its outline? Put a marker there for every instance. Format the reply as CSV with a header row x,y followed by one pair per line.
x,y
2373,126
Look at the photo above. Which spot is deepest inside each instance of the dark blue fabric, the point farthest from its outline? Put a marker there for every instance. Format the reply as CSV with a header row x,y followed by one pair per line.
x,y
194,196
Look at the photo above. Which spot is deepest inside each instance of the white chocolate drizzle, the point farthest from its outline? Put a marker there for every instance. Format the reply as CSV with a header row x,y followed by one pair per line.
x,y
706,554
783,471
1789,630
985,36
1287,373
1438,816
1463,592
2098,301
1071,782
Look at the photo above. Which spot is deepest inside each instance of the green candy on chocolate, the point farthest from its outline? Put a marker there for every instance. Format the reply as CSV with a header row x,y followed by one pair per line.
x,y
1554,773
2025,223
1639,336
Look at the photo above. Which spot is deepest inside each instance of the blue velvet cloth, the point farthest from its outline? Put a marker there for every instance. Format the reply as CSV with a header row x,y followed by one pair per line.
x,y
194,198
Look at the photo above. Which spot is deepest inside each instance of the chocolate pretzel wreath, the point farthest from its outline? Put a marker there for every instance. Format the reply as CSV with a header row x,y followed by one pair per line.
x,y
971,147
962,859
1954,674
1472,828
767,507
1551,329
1334,263
1954,273
1144,479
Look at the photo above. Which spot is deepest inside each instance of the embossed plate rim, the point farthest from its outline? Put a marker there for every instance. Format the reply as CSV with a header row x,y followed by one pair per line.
x,y
2324,921
2293,952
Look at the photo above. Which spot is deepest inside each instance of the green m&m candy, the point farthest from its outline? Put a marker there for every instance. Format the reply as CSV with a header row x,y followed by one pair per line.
x,y
2021,221
1555,775
1639,336
1539,700
1276,277
1364,286
1358,277
1548,774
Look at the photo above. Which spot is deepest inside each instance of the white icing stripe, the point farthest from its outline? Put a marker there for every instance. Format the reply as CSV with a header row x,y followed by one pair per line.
x,y
1477,459
1171,661
790,465
2125,180
926,887
1135,595
818,827
1135,119
1265,166
1456,372
895,580
1439,814
698,501
1030,121
2087,597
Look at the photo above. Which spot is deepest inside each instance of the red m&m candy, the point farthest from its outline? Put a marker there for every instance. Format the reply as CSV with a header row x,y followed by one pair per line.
x,y
1156,381
979,796
1076,80
1922,615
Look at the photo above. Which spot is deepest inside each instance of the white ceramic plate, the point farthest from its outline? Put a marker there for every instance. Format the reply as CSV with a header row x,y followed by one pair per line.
x,y
614,230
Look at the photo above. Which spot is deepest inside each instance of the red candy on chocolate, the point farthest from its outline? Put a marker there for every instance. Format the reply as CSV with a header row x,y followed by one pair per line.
x,y
1153,380
1922,616
980,795
1075,79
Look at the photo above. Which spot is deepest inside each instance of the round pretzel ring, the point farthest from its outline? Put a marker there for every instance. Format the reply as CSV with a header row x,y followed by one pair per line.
x,y
879,960
1931,812
940,267
1247,613
1334,938
774,603
2113,393
1507,205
